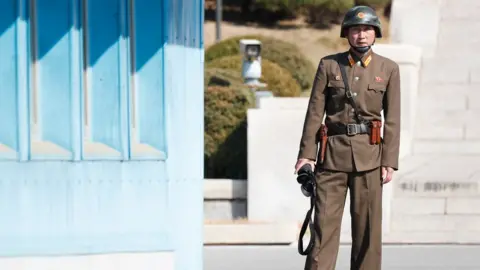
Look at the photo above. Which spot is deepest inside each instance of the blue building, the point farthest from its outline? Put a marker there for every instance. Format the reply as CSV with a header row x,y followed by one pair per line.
x,y
101,145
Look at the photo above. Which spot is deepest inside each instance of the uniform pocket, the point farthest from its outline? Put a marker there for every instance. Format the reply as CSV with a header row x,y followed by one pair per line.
x,y
336,96
336,88
374,96
336,84
377,88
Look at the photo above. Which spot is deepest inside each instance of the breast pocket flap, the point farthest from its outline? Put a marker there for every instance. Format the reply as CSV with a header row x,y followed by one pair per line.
x,y
336,84
377,87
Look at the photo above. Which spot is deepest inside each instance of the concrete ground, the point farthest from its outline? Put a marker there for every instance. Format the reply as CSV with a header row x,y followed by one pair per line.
x,y
396,257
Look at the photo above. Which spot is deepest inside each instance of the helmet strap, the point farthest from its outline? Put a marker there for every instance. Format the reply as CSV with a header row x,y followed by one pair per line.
x,y
362,49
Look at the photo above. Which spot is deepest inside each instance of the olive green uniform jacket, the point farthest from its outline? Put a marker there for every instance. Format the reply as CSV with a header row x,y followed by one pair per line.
x,y
375,83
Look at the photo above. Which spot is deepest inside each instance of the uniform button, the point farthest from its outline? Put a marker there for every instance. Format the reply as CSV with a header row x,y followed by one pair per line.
x,y
354,94
356,78
353,110
359,63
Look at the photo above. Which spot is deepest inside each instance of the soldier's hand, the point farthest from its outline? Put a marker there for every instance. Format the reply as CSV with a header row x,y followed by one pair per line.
x,y
387,174
302,162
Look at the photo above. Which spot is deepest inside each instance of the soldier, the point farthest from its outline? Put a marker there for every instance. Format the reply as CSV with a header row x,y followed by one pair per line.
x,y
351,89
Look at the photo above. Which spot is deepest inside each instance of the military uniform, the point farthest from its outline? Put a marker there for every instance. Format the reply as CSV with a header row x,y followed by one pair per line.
x,y
350,160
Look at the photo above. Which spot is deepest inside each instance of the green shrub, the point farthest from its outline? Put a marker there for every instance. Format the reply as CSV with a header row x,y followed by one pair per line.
x,y
324,13
226,131
376,4
284,54
281,6
223,77
328,8
226,47
278,79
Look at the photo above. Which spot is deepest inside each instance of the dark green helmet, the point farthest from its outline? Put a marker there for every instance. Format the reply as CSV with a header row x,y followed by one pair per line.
x,y
361,15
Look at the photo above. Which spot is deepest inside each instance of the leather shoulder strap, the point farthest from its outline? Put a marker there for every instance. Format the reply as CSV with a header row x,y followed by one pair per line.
x,y
349,94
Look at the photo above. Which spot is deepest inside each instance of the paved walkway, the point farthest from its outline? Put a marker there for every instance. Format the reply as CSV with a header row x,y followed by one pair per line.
x,y
394,258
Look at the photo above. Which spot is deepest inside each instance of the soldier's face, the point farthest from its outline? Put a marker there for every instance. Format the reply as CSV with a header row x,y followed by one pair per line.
x,y
361,35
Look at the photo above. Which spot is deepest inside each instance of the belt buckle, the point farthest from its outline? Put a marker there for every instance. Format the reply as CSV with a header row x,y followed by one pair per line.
x,y
352,129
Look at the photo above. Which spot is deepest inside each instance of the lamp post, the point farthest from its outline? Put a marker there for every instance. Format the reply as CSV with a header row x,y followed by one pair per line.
x,y
218,13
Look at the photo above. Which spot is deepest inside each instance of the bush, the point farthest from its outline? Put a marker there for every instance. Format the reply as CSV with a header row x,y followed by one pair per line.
x,y
278,79
325,13
223,77
284,54
375,4
226,47
226,131
275,6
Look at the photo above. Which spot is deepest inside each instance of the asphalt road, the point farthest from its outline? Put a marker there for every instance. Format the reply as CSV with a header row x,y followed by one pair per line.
x,y
406,257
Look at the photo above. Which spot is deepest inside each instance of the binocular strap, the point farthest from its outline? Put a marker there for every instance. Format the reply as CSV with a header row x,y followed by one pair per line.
x,y
308,222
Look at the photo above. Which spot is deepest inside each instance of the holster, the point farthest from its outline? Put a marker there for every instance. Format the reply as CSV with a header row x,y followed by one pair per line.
x,y
375,137
323,141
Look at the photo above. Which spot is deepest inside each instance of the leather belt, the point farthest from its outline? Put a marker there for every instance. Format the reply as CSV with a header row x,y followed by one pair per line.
x,y
348,129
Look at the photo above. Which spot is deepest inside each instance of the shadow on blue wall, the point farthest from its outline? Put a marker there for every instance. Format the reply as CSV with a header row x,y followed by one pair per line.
x,y
113,38
107,22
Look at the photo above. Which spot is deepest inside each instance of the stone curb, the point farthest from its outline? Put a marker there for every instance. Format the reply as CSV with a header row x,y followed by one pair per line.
x,y
417,238
435,237
287,234
241,234
424,237
225,189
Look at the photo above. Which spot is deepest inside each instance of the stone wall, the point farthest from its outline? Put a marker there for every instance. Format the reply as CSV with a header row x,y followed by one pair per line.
x,y
437,192
225,199
449,96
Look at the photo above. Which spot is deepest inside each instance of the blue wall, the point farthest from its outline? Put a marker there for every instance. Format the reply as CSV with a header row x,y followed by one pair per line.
x,y
96,153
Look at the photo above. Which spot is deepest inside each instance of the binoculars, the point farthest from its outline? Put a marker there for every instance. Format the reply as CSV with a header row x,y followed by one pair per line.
x,y
306,179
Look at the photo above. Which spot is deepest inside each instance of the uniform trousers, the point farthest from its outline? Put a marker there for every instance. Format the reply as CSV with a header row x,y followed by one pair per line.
x,y
366,218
